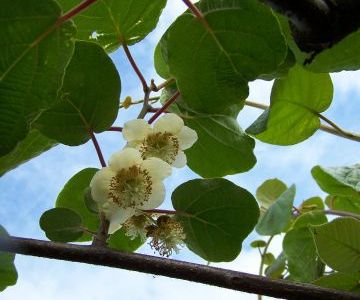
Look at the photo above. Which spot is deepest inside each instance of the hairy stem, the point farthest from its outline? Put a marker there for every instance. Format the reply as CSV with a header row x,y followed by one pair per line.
x,y
172,268
102,234
98,149
197,13
115,128
334,129
340,213
164,107
261,268
74,11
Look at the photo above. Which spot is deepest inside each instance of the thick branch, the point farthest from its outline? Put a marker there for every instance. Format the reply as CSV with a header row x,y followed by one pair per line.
x,y
172,268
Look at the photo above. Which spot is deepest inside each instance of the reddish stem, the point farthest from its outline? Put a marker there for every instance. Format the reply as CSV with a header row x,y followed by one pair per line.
x,y
98,150
164,107
74,11
115,128
197,14
160,211
136,68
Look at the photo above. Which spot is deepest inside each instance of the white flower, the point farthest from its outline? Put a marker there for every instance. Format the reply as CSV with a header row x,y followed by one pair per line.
x,y
166,140
129,184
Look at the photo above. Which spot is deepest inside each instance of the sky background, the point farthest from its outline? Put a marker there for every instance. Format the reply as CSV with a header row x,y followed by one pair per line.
x,y
33,187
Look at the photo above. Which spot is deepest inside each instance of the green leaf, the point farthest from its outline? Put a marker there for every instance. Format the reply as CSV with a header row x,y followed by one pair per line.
x,y
160,64
338,244
8,273
341,281
313,203
120,241
268,258
269,191
296,101
241,41
72,197
344,55
87,102
258,244
310,218
33,57
222,148
278,215
112,23
340,181
303,262
90,203
61,225
276,269
217,216
350,204
33,145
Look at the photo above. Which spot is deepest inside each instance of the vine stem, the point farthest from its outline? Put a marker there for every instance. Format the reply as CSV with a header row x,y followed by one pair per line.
x,y
164,107
334,129
197,13
160,211
340,213
98,149
261,268
74,11
115,128
172,268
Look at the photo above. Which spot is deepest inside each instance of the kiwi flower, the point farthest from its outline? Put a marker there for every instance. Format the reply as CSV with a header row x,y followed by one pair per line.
x,y
129,184
166,140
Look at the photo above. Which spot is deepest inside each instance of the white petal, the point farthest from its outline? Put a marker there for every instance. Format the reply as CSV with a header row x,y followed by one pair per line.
x,y
170,123
158,169
180,160
157,196
124,159
136,130
118,217
100,185
187,137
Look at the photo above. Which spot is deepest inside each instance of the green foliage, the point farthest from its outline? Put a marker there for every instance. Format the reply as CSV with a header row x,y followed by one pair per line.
x,y
296,101
222,148
276,269
268,258
86,102
120,241
112,23
277,217
61,225
33,145
8,273
33,57
351,204
72,196
269,191
338,244
313,203
339,181
258,244
310,218
341,281
212,72
217,216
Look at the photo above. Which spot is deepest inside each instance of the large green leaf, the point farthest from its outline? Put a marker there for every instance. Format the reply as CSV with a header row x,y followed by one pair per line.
x,y
269,191
160,64
340,181
61,225
8,273
113,22
217,216
351,204
222,148
338,244
241,41
303,262
33,56
341,281
296,101
120,241
310,218
313,203
278,215
89,97
344,55
33,145
72,197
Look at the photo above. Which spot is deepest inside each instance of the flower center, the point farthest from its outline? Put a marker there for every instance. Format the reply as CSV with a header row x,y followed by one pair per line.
x,y
130,187
163,145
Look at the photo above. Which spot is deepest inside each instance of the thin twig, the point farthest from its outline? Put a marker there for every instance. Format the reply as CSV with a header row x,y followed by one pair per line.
x,y
98,149
164,107
74,11
261,268
156,88
102,234
160,211
115,128
339,213
197,13
335,129
172,268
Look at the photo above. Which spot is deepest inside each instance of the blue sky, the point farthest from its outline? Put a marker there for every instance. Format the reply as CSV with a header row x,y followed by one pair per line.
x,y
32,188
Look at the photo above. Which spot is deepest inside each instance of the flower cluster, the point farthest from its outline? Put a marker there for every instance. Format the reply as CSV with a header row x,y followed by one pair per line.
x,y
133,180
